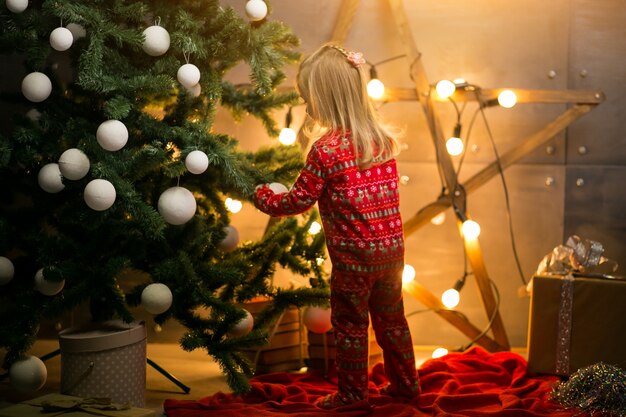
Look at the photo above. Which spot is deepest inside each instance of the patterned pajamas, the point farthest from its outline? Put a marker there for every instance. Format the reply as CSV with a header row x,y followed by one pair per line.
x,y
360,212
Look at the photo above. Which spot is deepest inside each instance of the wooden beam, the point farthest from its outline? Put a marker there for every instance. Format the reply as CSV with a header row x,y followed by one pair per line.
x,y
344,21
526,146
489,94
459,321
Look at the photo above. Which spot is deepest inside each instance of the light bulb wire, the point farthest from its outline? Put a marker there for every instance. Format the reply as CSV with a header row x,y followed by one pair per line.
x,y
494,313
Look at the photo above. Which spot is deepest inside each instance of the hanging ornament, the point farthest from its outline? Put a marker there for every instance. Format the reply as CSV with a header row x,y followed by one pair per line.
x,y
61,39
157,328
74,164
47,287
188,75
156,298
50,178
28,374
256,10
197,162
36,87
231,240
112,135
195,90
33,115
7,270
243,326
99,194
177,205
78,31
317,319
278,188
17,6
156,40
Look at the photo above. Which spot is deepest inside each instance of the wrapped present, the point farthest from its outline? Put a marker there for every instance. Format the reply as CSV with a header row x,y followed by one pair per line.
x,y
53,405
105,359
576,321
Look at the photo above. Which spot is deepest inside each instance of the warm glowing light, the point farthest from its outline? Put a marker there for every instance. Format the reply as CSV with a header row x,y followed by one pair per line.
x,y
454,146
450,298
320,261
438,219
315,228
376,89
507,98
287,136
458,81
408,274
445,88
234,206
439,352
471,229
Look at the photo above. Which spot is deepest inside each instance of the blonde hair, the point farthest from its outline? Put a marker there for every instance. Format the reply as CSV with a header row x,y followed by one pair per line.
x,y
335,90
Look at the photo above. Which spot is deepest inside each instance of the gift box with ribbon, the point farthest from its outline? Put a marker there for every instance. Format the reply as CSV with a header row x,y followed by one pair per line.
x,y
53,405
577,311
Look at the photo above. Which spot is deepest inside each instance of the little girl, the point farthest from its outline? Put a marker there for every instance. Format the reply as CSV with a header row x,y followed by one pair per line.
x,y
351,172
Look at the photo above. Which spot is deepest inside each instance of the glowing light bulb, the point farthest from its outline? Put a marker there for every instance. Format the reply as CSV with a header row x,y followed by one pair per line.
x,y
408,274
458,81
234,206
450,298
471,229
287,136
439,352
454,146
375,89
315,228
438,219
445,88
507,99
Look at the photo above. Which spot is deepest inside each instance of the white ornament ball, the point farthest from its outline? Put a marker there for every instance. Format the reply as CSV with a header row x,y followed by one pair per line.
x,y
195,90
197,162
47,287
243,326
78,31
74,164
156,298
99,194
28,374
7,270
112,135
188,75
61,39
278,188
33,115
231,240
156,40
36,87
317,319
256,10
177,205
17,6
50,178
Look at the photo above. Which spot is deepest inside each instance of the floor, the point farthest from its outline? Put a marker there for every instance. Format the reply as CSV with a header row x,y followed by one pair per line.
x,y
194,369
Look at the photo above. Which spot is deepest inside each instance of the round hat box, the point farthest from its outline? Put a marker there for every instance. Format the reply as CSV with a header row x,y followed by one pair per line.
x,y
105,359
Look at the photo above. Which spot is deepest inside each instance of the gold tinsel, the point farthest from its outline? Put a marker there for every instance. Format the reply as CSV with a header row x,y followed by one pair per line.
x,y
598,388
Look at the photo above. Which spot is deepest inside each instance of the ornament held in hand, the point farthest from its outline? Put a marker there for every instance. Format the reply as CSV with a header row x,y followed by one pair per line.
x,y
317,319
50,178
156,298
188,75
177,205
7,270
278,188
197,162
47,287
28,374
99,194
156,40
256,10
112,135
74,164
243,326
36,87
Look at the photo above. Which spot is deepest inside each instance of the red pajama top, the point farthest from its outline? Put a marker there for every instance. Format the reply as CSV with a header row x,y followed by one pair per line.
x,y
359,207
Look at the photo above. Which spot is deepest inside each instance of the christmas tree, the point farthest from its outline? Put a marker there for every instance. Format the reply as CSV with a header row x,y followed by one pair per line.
x,y
116,169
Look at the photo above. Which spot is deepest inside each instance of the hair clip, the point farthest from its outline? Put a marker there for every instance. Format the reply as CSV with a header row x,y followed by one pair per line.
x,y
356,59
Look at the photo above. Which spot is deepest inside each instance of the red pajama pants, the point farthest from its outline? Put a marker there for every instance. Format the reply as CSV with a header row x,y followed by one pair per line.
x,y
355,297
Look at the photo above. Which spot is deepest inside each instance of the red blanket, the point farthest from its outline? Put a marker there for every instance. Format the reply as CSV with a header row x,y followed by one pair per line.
x,y
474,384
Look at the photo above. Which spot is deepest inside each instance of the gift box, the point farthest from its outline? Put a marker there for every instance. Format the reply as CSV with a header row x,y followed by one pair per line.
x,y
105,360
66,405
576,321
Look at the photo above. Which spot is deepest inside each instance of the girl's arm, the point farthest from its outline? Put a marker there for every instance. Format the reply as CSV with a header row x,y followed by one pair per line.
x,y
302,196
